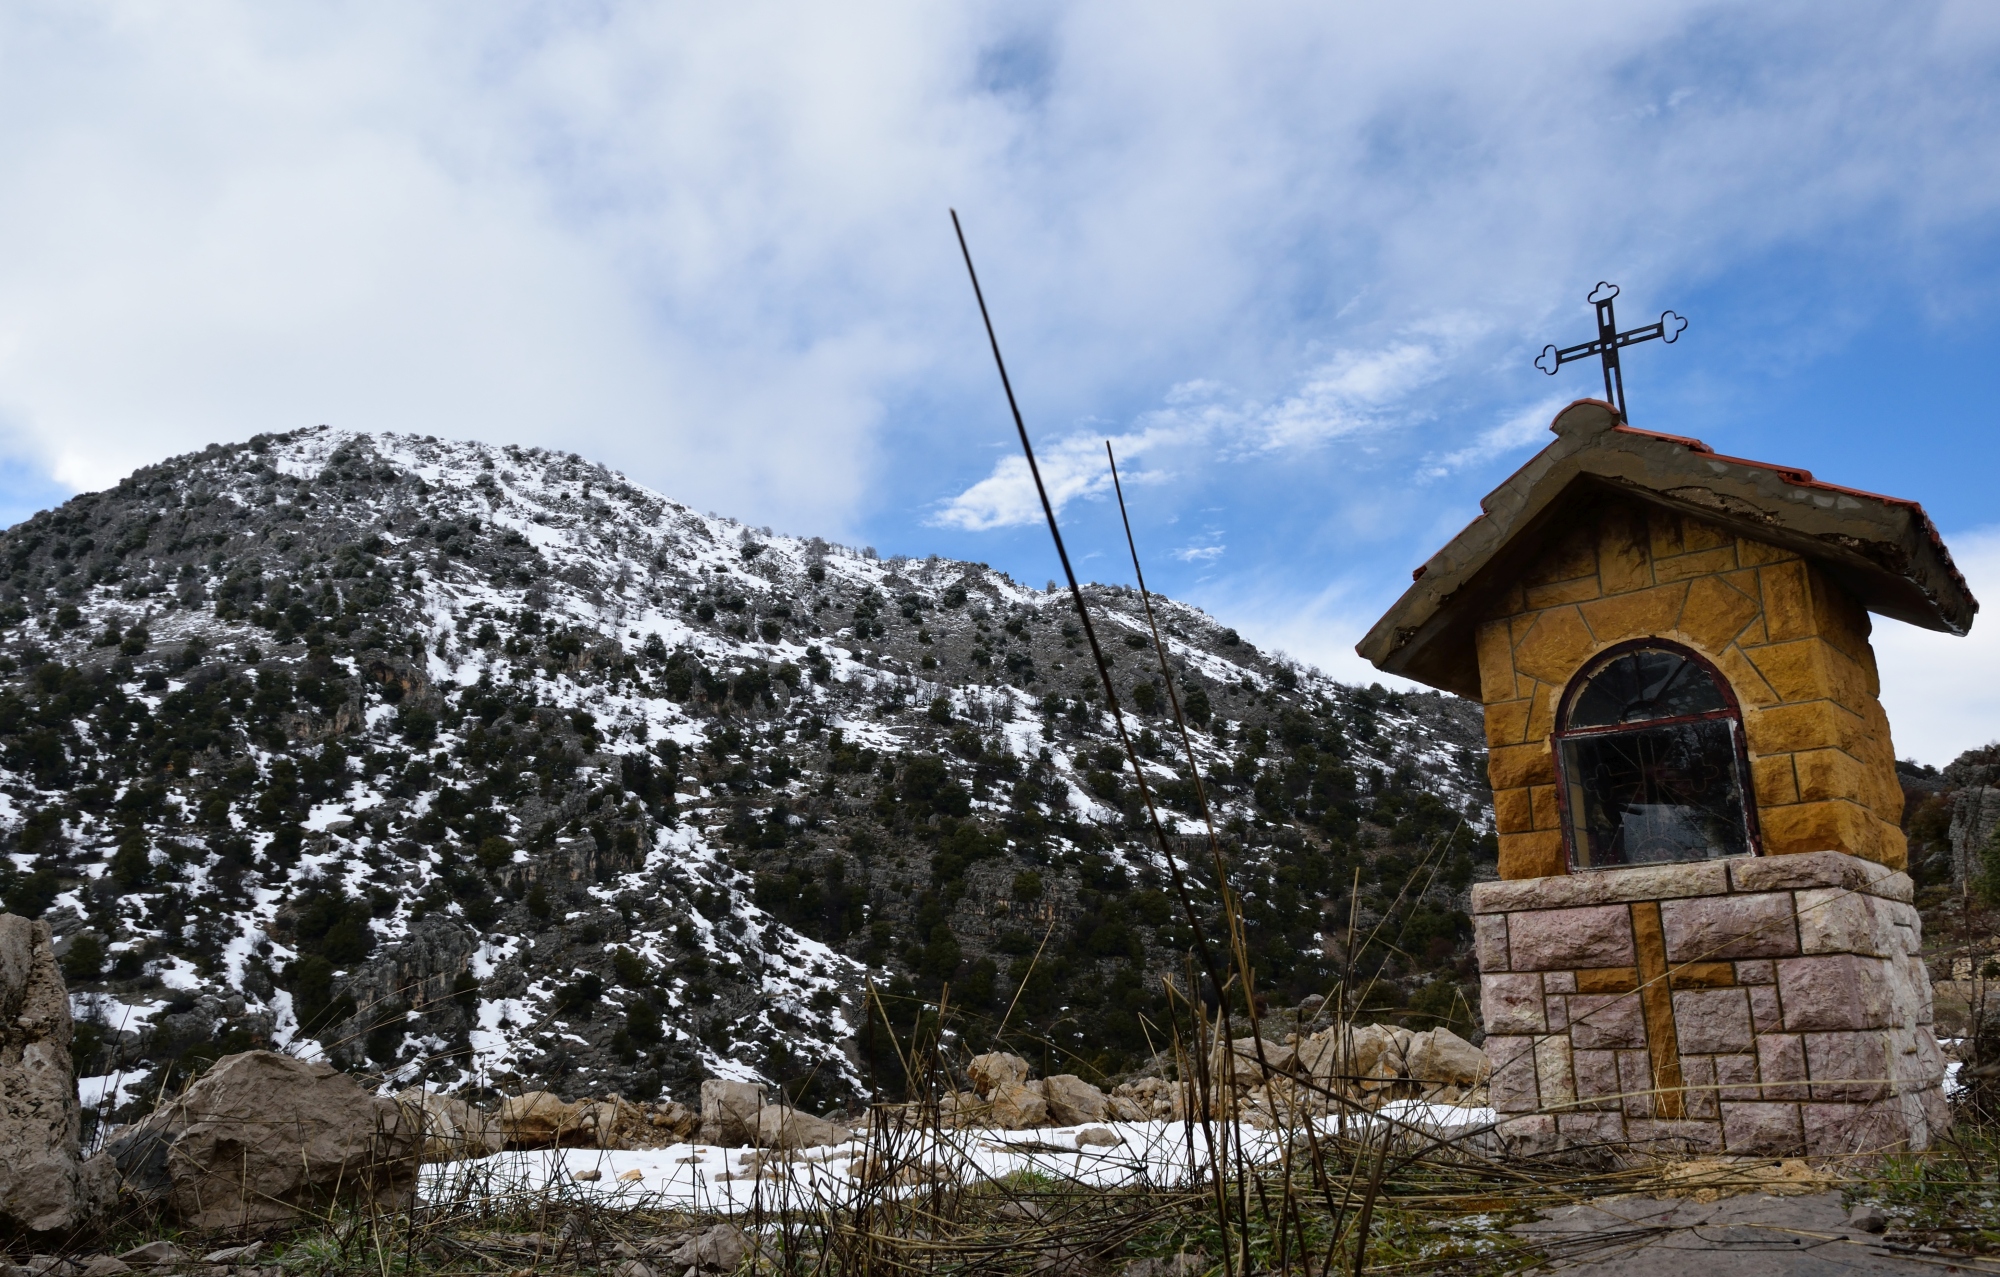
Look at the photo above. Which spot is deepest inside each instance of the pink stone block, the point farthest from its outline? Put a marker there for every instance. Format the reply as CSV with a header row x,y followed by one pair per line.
x,y
1590,1130
1558,1013
1766,1015
1847,1066
1559,981
1719,927
1698,1076
1836,921
1596,1079
1710,1020
1512,1003
1756,971
1606,1020
1635,1082
1834,1130
1800,871
1667,1138
1512,1088
1835,991
1762,1129
1489,938
1781,1064
1563,939
1736,1077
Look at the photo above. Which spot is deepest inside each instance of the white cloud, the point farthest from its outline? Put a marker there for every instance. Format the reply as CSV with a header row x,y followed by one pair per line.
x,y
1942,693
708,243
1527,428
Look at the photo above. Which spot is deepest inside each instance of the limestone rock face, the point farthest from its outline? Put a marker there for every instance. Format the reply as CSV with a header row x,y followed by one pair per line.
x,y
729,1112
540,1119
1071,1101
262,1137
994,1070
1017,1106
453,1130
44,1184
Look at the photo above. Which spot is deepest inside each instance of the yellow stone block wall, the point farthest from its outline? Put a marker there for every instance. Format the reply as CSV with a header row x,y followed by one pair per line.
x,y
1793,645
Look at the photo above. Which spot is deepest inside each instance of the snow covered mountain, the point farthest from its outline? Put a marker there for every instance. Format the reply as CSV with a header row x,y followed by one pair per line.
x,y
489,766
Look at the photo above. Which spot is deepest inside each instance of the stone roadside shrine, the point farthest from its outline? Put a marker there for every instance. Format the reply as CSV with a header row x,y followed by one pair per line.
x,y
1703,938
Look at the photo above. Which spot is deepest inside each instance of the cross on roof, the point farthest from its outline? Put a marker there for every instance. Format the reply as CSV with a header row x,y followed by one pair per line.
x,y
1609,342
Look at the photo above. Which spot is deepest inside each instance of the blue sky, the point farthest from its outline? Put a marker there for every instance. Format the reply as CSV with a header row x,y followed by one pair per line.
x,y
1296,258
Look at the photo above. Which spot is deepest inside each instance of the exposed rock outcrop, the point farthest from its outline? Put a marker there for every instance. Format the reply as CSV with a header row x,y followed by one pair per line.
x,y
45,1184
261,1138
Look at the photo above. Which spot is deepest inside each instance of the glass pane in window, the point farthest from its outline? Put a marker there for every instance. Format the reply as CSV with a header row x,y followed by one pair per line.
x,y
1655,794
1643,685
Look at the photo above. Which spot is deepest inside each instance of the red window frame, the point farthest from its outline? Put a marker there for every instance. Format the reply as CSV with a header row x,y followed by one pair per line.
x,y
1732,711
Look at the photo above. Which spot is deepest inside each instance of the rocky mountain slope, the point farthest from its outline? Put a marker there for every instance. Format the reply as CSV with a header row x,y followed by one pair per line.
x,y
487,766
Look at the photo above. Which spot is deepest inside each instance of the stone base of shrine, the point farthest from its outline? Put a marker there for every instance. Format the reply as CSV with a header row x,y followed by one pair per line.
x,y
1771,1005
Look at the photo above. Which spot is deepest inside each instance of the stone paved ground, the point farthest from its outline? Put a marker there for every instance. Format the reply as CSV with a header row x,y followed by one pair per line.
x,y
1752,1235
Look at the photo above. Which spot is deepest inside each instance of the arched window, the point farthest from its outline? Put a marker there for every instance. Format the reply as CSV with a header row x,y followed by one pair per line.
x,y
1651,767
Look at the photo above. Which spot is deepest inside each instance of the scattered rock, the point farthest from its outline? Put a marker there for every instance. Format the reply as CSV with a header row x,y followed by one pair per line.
x,y
453,1130
261,1137
994,1070
105,1266
1071,1101
159,1254
721,1247
588,1177
234,1254
632,1176
1182,1265
1098,1137
1119,1108
45,1183
1017,1106
729,1112
1867,1218
539,1119
780,1127
633,1268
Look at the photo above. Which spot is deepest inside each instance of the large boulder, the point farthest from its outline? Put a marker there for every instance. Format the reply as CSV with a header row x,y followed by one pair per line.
x,y
729,1112
994,1070
261,1139
1442,1058
1361,1059
540,1119
1381,1056
1071,1101
453,1130
45,1183
1017,1106
781,1127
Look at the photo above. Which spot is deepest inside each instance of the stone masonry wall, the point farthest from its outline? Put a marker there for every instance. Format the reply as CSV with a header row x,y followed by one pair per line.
x,y
1761,1005
1792,643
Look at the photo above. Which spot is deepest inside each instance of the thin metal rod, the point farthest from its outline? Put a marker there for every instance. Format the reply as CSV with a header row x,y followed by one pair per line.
x,y
1097,653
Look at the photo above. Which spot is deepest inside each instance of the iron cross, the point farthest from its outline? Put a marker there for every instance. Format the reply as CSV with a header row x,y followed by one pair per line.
x,y
1609,342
